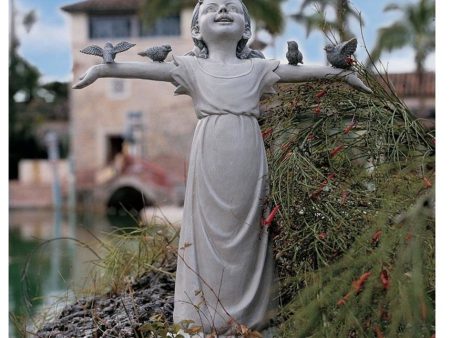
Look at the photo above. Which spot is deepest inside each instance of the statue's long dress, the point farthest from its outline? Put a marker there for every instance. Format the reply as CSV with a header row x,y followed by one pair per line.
x,y
225,252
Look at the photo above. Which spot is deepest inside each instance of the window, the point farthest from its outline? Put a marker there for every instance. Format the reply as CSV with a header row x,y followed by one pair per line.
x,y
109,26
167,26
114,147
125,26
118,89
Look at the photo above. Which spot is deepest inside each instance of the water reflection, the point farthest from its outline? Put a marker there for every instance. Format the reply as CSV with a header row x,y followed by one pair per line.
x,y
43,269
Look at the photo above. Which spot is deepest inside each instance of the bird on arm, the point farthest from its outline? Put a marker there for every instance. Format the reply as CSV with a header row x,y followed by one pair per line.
x,y
157,53
109,51
293,55
340,55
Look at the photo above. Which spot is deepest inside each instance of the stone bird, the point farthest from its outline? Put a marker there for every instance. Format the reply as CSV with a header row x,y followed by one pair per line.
x,y
157,53
293,55
108,53
340,55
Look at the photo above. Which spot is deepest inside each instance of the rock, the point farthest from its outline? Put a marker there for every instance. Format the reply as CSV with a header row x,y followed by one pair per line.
x,y
116,315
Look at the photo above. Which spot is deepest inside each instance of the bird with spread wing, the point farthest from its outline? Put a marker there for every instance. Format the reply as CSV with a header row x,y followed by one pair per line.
x,y
108,52
340,55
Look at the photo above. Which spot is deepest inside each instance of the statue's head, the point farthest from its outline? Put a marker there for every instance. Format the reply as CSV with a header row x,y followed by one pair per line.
x,y
222,10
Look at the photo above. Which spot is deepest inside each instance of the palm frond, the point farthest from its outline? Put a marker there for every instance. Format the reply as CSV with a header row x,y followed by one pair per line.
x,y
267,13
315,22
416,28
343,12
391,7
319,3
389,38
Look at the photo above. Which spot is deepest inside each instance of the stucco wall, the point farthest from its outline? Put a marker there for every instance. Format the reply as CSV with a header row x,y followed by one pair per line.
x,y
168,121
41,172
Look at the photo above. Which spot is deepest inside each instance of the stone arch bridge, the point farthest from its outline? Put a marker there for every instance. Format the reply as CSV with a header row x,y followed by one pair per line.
x,y
131,184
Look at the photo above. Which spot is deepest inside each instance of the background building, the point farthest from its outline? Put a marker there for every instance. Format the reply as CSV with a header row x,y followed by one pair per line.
x,y
418,95
156,126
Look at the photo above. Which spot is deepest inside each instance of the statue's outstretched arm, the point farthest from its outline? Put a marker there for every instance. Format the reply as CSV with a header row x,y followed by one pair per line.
x,y
131,70
291,74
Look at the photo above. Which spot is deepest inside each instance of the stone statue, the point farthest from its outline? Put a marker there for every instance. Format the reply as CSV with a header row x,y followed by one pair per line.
x,y
109,52
157,53
293,55
340,55
225,272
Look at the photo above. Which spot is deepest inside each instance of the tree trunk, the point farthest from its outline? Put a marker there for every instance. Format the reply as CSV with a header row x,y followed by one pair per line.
x,y
341,19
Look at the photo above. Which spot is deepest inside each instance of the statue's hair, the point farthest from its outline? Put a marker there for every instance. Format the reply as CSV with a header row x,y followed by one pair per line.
x,y
242,50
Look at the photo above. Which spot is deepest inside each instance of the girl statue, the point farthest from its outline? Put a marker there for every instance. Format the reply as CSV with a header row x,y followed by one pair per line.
x,y
225,272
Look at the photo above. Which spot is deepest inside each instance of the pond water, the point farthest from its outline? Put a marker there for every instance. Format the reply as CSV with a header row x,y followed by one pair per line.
x,y
42,269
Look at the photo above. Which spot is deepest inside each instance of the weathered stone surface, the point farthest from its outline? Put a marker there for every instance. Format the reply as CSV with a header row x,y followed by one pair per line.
x,y
116,315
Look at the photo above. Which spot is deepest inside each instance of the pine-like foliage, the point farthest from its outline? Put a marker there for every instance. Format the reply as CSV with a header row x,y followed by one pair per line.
x,y
383,287
339,161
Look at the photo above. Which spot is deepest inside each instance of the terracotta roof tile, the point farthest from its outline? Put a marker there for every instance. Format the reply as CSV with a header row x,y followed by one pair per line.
x,y
103,5
407,84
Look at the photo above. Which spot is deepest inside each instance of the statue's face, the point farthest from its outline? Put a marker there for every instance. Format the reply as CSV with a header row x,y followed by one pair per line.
x,y
219,19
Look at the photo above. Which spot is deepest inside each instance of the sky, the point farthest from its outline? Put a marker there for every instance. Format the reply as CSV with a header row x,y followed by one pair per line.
x,y
47,46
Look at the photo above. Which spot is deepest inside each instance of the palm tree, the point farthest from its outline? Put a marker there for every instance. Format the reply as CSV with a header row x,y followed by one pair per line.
x,y
266,13
416,29
317,21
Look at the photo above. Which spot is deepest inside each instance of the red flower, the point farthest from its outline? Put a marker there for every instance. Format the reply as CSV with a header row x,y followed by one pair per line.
x,y
268,221
350,127
266,133
344,299
358,284
287,156
384,278
316,193
427,183
376,237
320,94
331,176
336,151
286,146
322,235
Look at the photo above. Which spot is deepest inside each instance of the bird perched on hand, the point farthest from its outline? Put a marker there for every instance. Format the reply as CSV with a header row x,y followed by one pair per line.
x,y
157,53
109,51
293,55
340,55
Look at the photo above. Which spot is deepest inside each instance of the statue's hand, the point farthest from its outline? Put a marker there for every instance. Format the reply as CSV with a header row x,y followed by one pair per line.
x,y
88,78
354,81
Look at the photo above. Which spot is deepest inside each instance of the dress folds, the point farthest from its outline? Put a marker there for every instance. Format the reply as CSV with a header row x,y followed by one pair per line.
x,y
225,271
